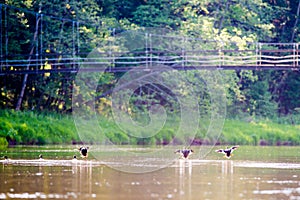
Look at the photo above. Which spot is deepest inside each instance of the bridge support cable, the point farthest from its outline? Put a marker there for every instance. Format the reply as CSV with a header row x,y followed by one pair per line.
x,y
6,35
78,38
1,52
259,54
297,54
41,38
146,50
221,55
111,53
73,44
37,18
256,52
294,55
183,53
150,49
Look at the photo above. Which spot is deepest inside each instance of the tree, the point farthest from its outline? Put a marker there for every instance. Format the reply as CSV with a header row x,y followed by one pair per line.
x,y
287,20
155,13
258,98
285,88
59,29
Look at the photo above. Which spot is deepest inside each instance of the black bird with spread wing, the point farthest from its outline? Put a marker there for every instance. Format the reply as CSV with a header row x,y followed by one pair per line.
x,y
185,153
227,151
83,151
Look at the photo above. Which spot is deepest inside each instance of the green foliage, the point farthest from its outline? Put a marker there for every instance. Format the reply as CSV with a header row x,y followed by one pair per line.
x,y
156,14
3,142
262,132
286,91
26,133
34,128
8,132
40,129
255,98
5,127
229,24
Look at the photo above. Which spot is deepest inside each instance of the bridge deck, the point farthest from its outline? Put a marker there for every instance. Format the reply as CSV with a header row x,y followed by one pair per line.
x,y
126,69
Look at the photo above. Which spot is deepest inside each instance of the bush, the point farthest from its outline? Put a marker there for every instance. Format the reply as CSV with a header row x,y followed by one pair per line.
x,y
3,142
50,128
28,135
5,127
264,132
36,128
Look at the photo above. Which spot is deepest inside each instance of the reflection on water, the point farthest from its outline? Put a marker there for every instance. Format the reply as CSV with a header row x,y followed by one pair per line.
x,y
213,178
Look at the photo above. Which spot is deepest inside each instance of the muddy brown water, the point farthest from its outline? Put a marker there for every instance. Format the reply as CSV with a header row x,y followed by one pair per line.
x,y
252,173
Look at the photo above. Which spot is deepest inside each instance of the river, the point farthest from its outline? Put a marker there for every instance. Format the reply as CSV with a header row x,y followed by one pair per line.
x,y
252,173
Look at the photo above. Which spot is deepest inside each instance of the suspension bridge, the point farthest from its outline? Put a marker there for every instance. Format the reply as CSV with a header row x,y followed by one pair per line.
x,y
68,48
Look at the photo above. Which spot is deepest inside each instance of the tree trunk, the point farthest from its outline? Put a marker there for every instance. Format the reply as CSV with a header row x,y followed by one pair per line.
x,y
223,17
296,22
24,83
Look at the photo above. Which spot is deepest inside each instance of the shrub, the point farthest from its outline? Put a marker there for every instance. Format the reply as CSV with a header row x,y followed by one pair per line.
x,y
3,142
5,127
27,134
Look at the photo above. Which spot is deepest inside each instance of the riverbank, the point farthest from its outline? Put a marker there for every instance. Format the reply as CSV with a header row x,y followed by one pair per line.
x,y
29,128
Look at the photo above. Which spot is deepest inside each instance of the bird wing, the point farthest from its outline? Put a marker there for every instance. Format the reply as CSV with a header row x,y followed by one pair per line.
x,y
177,151
234,147
220,151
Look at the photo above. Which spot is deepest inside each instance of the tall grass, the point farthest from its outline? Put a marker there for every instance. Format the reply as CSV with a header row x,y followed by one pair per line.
x,y
263,132
35,128
28,127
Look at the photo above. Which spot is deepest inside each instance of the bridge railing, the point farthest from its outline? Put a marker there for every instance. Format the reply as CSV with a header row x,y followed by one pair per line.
x,y
279,54
267,57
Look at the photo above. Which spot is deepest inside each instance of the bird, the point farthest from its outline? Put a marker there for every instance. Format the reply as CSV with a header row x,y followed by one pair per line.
x,y
41,157
83,151
5,157
185,153
227,151
74,157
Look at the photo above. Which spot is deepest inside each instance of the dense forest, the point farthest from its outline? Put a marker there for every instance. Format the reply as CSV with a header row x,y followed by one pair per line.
x,y
76,27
